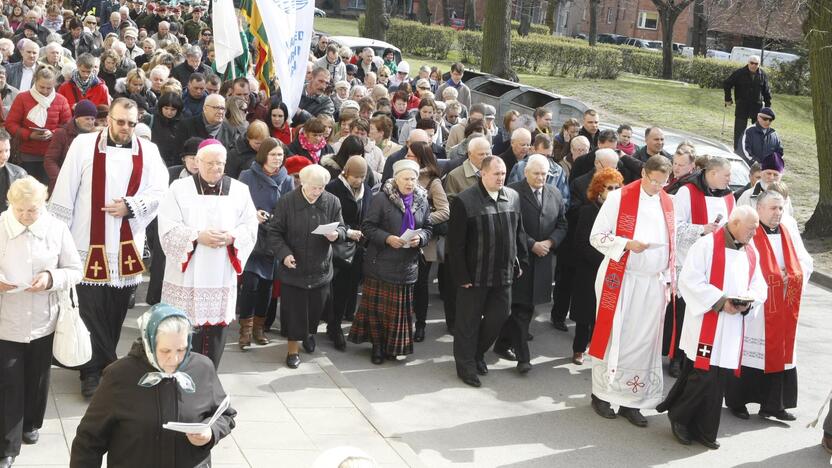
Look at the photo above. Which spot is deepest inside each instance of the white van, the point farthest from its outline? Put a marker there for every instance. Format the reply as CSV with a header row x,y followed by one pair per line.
x,y
770,58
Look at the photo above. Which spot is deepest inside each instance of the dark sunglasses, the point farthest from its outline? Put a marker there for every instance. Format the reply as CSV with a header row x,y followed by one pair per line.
x,y
123,122
767,119
610,188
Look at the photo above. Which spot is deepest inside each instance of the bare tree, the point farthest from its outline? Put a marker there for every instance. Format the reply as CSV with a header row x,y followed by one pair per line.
x,y
669,11
551,12
496,39
471,14
594,6
818,30
443,5
525,7
376,20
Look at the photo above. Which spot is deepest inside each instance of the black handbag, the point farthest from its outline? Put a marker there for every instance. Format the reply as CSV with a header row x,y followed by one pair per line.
x,y
343,253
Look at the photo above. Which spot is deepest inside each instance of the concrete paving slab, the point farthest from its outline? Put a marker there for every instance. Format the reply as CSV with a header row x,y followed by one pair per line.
x,y
332,421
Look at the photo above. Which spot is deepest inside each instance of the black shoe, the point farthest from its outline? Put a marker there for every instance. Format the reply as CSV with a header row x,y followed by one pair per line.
x,y
349,318
529,337
132,301
602,408
781,415
377,356
633,415
293,360
740,412
88,385
450,327
524,367
6,462
675,369
560,326
680,432
482,367
338,340
31,437
471,380
711,444
506,353
419,334
309,344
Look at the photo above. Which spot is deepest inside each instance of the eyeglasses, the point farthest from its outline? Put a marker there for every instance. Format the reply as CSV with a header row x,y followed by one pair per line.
x,y
657,183
753,63
425,87
767,119
124,122
217,108
610,188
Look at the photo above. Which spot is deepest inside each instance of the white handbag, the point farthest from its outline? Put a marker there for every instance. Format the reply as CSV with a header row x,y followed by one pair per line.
x,y
71,345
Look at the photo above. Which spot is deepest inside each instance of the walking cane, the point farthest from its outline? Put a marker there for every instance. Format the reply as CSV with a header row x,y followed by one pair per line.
x,y
724,110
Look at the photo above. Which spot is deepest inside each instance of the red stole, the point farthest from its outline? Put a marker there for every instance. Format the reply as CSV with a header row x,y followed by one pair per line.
x,y
625,227
96,269
717,279
698,207
783,303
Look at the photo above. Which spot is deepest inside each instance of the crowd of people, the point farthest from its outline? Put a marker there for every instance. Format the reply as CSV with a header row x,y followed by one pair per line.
x,y
118,122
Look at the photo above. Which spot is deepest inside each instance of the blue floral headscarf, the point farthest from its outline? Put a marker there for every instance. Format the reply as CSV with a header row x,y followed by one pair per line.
x,y
148,325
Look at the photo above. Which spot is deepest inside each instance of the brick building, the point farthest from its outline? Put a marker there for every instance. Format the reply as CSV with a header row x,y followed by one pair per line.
x,y
408,7
632,18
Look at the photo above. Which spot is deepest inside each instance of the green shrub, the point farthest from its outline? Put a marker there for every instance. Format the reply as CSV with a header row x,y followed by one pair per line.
x,y
416,38
534,29
790,78
469,44
361,20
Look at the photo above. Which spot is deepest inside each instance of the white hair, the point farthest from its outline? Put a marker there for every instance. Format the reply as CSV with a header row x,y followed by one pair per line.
x,y
449,94
536,160
520,133
606,155
754,58
770,195
28,42
27,189
160,71
478,143
742,213
175,325
314,175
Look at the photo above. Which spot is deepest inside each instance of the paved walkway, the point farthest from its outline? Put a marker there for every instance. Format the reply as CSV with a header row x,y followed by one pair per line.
x,y
284,417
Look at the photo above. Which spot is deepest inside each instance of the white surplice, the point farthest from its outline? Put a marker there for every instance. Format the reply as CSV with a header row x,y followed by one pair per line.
x,y
700,296
686,232
71,199
754,347
207,289
631,373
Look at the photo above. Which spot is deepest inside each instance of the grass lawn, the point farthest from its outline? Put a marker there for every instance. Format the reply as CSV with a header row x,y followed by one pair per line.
x,y
644,101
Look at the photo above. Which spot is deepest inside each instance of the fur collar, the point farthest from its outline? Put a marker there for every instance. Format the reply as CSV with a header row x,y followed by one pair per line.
x,y
420,197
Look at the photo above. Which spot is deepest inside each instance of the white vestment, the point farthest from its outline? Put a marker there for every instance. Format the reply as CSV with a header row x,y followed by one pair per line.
x,y
749,198
754,346
71,199
700,296
631,374
686,232
207,289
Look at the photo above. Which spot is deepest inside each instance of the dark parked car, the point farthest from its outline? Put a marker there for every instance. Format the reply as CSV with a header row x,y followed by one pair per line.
x,y
616,39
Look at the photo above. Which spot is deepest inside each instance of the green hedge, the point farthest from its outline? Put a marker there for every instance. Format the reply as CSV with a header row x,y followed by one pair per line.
x,y
535,28
416,38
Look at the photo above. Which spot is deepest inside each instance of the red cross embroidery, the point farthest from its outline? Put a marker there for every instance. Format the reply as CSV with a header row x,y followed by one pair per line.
x,y
635,384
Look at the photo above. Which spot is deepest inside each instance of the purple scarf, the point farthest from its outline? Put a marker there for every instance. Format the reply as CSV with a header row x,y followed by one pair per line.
x,y
408,221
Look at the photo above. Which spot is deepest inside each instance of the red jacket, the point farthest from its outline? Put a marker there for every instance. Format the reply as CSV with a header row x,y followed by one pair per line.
x,y
98,93
56,153
283,134
18,125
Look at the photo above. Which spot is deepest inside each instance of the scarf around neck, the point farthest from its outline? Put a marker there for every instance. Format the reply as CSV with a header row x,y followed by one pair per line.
x,y
38,114
148,325
314,150
408,221
83,86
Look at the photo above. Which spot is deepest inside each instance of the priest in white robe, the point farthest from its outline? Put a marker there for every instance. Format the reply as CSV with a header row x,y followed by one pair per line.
x,y
207,229
108,191
701,207
723,286
635,232
769,373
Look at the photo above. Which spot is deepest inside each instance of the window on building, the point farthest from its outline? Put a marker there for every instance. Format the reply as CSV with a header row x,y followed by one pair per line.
x,y
648,20
357,4
610,15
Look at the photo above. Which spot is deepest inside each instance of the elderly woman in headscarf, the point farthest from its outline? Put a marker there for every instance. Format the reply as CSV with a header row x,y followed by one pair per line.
x,y
396,227
159,381
355,194
305,258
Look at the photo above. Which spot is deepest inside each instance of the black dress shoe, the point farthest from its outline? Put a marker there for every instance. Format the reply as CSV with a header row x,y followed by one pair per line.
x,y
680,432
338,340
633,415
506,353
781,415
377,356
524,367
293,360
471,380
602,408
711,444
740,412
482,367
88,385
6,462
675,369
309,344
529,337
131,302
31,437
560,326
419,334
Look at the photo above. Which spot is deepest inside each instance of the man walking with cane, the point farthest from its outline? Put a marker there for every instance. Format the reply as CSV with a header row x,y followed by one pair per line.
x,y
751,91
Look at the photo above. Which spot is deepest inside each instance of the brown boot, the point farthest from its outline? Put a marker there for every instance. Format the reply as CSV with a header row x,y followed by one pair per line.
x,y
259,333
245,333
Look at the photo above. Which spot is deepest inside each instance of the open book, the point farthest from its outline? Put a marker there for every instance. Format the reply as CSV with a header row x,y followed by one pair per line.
x,y
195,428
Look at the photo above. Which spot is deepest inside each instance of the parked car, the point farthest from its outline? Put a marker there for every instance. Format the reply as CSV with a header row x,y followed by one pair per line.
x,y
717,54
616,39
320,13
770,58
640,44
357,44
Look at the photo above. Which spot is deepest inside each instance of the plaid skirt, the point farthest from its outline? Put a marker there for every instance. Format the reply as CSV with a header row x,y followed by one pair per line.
x,y
385,317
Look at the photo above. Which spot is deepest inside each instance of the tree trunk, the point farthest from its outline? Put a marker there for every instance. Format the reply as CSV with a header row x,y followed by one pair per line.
x,y
699,41
471,14
496,39
376,21
446,17
819,35
336,8
424,12
669,11
593,21
551,12
525,7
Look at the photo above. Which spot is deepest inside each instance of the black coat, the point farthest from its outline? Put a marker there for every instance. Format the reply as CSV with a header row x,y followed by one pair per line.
x,y
124,420
183,71
534,286
750,89
163,132
240,158
352,214
290,229
587,262
190,127
382,262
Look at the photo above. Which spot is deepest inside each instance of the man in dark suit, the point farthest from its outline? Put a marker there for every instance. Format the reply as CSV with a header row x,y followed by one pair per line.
x,y
544,221
8,171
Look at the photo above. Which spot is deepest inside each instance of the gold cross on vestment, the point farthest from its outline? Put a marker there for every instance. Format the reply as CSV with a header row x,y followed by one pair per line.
x,y
129,262
96,268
